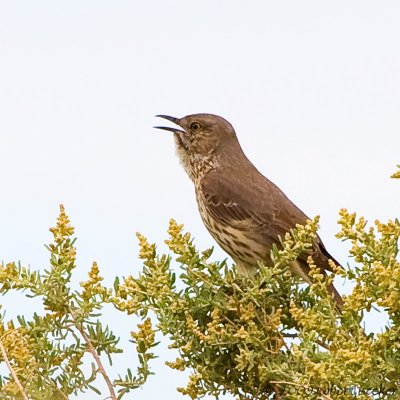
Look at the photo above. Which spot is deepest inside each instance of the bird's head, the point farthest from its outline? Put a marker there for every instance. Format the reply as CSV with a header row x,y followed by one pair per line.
x,y
203,142
201,133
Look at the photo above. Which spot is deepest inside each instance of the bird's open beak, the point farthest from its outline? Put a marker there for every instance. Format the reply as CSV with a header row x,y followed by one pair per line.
x,y
167,128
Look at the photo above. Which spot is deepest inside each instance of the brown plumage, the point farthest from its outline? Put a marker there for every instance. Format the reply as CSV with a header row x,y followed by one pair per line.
x,y
243,210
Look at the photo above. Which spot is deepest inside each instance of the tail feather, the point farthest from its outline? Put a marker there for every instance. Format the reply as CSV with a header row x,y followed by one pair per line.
x,y
301,268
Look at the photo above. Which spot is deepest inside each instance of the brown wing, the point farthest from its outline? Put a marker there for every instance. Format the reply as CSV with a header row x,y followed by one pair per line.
x,y
236,201
232,200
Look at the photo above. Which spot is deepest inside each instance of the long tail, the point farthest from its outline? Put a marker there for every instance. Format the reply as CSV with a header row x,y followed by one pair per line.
x,y
301,268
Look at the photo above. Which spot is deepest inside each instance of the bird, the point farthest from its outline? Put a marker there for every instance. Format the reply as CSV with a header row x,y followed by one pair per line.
x,y
244,211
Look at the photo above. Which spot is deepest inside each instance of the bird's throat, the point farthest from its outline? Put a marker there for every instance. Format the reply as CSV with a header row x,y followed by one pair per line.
x,y
195,164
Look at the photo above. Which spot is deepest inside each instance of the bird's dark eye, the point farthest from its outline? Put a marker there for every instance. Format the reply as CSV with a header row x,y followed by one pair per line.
x,y
195,126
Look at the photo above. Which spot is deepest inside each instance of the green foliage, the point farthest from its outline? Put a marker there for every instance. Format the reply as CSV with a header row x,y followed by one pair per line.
x,y
265,337
47,352
396,175
271,336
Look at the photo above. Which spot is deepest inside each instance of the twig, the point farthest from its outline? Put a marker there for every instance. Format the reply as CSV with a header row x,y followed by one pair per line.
x,y
93,351
323,396
277,392
322,344
12,372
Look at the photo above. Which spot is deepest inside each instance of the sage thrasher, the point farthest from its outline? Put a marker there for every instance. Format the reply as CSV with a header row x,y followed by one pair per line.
x,y
243,211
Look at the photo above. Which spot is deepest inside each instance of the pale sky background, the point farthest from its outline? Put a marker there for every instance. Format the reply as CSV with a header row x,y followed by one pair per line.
x,y
312,88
